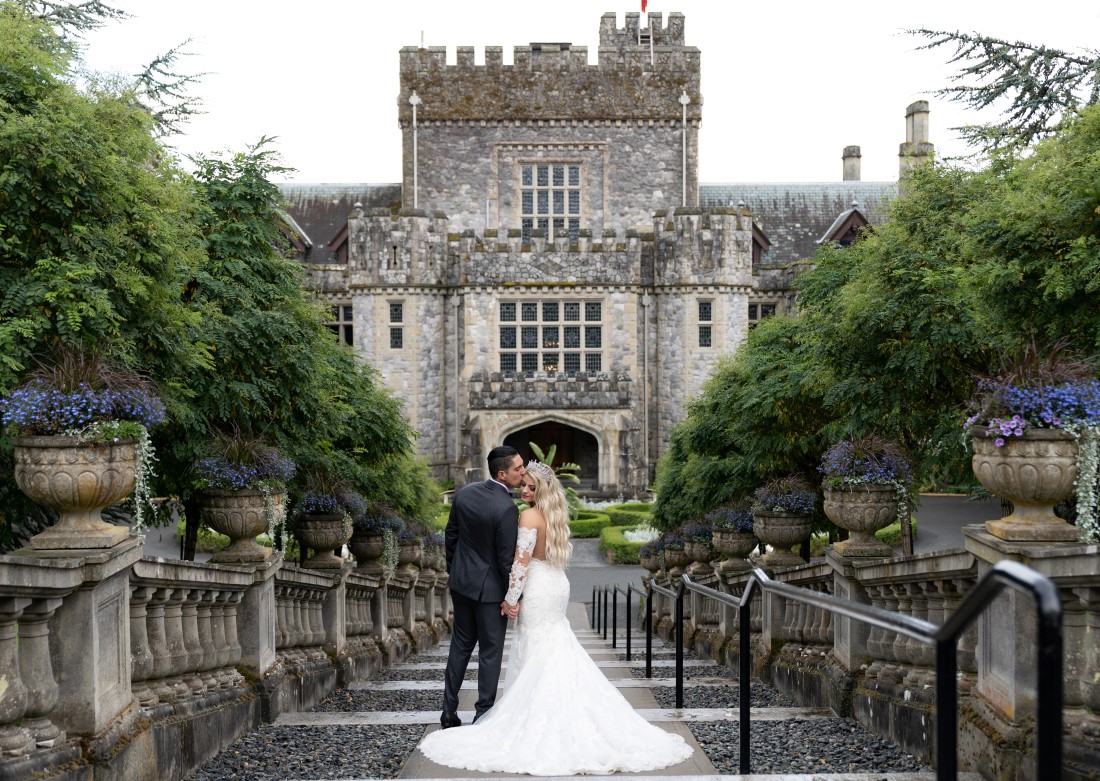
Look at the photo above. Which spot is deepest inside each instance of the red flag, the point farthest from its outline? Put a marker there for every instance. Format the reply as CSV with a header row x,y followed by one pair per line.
x,y
643,6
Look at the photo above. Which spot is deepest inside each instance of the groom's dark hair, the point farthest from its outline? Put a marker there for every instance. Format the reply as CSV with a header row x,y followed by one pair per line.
x,y
500,458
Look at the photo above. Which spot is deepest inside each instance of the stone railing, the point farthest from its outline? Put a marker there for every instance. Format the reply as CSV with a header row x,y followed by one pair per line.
x,y
141,668
886,680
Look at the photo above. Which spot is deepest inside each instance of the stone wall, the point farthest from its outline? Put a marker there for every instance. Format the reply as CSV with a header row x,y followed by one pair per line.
x,y
122,667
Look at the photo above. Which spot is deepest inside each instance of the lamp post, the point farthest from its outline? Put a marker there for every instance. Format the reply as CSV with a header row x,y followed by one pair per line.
x,y
414,101
684,101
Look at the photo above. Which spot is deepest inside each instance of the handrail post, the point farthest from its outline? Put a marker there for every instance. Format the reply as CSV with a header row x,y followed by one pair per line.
x,y
605,589
679,635
744,685
946,711
628,591
649,631
615,616
592,615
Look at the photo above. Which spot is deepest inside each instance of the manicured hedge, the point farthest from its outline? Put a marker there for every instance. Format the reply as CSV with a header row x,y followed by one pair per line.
x,y
644,507
589,523
623,517
616,548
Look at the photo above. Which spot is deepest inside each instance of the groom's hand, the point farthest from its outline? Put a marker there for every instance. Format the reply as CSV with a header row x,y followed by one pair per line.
x,y
509,610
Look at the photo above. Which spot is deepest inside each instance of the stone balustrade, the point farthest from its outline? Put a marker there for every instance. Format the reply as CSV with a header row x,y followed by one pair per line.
x,y
886,680
141,668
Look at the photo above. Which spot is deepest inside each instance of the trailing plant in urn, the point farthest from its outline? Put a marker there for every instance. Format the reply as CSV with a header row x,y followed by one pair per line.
x,y
867,486
1043,403
73,418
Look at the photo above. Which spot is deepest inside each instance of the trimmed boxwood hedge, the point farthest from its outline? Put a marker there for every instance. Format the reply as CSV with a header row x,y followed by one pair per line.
x,y
623,517
589,523
616,548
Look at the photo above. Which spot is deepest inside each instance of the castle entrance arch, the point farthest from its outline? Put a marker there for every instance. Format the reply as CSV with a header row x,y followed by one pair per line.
x,y
574,446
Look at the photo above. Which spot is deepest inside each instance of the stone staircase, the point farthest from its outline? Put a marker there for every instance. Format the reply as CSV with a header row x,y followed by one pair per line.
x,y
411,692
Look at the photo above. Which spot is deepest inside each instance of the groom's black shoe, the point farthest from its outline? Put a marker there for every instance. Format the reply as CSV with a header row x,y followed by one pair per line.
x,y
450,721
478,715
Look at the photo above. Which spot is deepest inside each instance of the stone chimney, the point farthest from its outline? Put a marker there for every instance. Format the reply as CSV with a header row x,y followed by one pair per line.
x,y
917,149
851,158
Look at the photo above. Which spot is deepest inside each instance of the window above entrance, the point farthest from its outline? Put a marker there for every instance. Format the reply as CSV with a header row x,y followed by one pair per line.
x,y
551,336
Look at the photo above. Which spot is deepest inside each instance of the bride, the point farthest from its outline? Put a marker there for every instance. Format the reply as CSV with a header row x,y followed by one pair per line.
x,y
559,715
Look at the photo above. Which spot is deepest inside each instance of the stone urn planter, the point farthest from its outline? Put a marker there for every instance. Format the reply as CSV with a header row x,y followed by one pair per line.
x,y
676,559
77,479
863,510
434,557
699,555
651,563
734,547
408,556
240,515
1034,472
782,531
322,534
368,549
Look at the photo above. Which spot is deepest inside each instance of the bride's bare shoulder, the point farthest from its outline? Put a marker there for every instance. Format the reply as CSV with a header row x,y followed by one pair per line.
x,y
532,518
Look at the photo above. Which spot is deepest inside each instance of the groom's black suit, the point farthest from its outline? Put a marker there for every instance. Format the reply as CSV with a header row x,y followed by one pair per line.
x,y
481,545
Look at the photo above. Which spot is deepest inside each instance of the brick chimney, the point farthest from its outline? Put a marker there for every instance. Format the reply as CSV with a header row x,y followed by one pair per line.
x,y
851,158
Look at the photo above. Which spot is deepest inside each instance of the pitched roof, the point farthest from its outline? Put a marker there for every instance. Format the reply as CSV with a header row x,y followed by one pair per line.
x,y
795,215
321,211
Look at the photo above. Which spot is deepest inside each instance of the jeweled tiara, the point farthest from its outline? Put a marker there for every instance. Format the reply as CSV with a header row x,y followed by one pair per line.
x,y
545,472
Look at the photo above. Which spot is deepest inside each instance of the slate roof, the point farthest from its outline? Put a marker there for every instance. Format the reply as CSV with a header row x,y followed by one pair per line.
x,y
321,210
795,215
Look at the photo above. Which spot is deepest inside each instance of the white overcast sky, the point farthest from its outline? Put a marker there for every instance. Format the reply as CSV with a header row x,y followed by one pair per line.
x,y
786,85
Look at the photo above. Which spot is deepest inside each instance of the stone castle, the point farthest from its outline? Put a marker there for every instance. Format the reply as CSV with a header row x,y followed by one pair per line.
x,y
550,270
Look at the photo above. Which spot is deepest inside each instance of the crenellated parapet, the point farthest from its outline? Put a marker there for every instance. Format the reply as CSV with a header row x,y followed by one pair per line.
x,y
703,247
636,79
408,247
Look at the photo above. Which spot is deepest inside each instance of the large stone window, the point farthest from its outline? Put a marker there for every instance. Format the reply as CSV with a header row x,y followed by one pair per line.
x,y
550,199
551,335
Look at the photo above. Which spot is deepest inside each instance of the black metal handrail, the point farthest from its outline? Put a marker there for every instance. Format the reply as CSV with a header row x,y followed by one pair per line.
x,y
1004,574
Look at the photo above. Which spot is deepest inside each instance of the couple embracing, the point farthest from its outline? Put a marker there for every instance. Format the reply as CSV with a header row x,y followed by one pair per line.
x,y
559,714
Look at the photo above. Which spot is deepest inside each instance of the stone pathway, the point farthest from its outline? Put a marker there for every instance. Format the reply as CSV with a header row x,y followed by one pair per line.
x,y
420,681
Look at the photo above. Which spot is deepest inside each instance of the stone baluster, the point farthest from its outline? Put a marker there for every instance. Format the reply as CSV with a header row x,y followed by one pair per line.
x,y
823,620
876,635
967,656
189,624
1074,660
295,626
890,672
141,655
14,739
204,618
282,616
905,608
1087,729
317,607
379,610
36,670
917,653
232,640
217,628
158,644
177,647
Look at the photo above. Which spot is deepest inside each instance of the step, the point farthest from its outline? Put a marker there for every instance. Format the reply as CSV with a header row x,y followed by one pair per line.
x,y
622,683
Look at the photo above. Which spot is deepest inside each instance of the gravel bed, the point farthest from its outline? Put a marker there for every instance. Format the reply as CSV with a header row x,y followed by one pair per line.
x,y
270,753
803,746
347,700
389,674
760,696
690,673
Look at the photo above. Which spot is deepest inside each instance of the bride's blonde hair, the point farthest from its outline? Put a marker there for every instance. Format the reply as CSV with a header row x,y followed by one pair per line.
x,y
550,499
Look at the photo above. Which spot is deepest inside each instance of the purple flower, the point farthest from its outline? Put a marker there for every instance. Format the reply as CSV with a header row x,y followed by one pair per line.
x,y
999,442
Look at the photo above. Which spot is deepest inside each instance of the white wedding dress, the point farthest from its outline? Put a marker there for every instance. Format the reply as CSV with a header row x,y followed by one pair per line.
x,y
559,715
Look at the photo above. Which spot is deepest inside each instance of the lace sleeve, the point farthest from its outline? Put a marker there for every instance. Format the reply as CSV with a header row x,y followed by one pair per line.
x,y
525,546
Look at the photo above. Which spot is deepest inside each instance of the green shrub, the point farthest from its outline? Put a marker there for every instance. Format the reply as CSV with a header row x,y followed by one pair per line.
x,y
588,524
623,517
645,507
616,548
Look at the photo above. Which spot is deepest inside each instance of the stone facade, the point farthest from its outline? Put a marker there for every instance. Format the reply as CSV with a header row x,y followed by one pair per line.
x,y
549,275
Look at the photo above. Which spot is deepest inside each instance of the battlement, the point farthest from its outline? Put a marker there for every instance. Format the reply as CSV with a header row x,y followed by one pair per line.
x,y
629,35
635,78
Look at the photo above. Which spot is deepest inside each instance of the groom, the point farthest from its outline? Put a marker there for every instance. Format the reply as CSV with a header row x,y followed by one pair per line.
x,y
481,544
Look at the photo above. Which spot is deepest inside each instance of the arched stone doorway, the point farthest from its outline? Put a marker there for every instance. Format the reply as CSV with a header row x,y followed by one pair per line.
x,y
574,446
